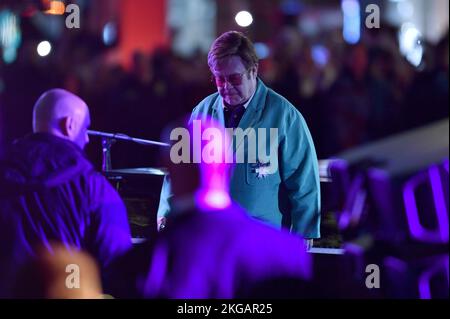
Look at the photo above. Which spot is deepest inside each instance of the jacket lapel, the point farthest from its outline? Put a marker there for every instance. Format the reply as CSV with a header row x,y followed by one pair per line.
x,y
217,110
254,111
251,116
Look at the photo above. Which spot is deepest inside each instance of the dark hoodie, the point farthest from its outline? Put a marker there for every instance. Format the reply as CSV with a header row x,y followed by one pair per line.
x,y
50,192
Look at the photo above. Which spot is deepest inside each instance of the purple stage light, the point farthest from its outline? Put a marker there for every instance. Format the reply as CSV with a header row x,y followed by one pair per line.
x,y
417,231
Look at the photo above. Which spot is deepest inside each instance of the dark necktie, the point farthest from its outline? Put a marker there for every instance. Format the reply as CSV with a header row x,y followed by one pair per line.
x,y
233,115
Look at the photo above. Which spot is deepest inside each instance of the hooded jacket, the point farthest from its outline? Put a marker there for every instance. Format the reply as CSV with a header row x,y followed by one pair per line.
x,y
50,192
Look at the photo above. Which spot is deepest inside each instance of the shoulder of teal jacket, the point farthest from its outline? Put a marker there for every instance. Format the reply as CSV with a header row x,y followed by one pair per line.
x,y
285,112
259,98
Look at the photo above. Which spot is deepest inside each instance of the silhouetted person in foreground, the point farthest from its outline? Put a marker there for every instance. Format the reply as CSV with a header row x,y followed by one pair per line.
x,y
50,192
59,273
210,247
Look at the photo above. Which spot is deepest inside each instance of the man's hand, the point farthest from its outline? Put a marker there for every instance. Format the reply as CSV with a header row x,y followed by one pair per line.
x,y
161,223
309,243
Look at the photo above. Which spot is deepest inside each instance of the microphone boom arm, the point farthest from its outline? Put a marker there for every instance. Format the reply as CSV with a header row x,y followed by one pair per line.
x,y
109,138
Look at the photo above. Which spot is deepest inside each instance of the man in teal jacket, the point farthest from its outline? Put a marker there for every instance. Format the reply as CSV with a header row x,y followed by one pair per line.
x,y
284,185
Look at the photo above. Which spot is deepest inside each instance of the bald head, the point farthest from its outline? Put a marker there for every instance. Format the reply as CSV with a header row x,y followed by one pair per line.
x,y
63,114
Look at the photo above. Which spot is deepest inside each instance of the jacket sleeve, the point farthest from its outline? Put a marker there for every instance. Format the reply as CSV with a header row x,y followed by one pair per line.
x,y
300,174
109,231
166,194
166,191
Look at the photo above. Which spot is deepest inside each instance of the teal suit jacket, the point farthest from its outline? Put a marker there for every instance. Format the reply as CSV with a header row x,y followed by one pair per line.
x,y
293,190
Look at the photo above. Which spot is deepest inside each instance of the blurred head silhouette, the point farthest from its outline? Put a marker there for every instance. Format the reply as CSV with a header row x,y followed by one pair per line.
x,y
62,114
196,162
58,272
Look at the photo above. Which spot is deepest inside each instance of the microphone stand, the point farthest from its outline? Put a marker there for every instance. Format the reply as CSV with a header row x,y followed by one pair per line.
x,y
106,151
108,139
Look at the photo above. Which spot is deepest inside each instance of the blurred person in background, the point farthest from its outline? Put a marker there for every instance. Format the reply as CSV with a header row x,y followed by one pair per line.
x,y
347,104
427,98
385,113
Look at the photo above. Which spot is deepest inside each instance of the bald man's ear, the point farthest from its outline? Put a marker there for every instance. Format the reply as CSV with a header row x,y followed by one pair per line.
x,y
68,126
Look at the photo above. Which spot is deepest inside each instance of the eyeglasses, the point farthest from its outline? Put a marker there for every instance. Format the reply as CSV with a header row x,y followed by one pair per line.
x,y
233,79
